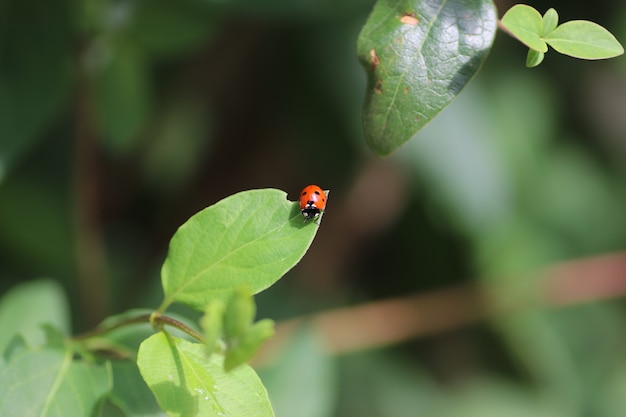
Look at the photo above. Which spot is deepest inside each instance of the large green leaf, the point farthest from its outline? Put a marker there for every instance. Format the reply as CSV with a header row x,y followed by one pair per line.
x,y
50,383
418,56
248,239
187,382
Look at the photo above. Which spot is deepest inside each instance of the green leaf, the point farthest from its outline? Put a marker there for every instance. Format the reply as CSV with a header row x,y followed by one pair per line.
x,y
526,24
550,21
49,383
534,58
584,39
240,312
242,348
27,306
187,383
418,56
248,239
212,323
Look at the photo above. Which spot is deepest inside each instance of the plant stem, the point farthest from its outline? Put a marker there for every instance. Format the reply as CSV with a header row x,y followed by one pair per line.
x,y
157,320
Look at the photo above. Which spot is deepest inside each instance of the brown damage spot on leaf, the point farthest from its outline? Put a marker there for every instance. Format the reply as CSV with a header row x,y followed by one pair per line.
x,y
378,88
409,19
374,59
406,90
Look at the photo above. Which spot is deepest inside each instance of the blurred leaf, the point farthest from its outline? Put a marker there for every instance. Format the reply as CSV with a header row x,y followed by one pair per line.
x,y
25,307
35,73
240,312
212,323
176,142
418,56
242,348
131,394
526,24
164,28
187,382
460,165
251,238
491,397
386,384
542,353
48,382
303,381
122,95
583,39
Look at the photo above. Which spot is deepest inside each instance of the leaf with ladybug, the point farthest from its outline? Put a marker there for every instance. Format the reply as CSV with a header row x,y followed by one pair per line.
x,y
250,239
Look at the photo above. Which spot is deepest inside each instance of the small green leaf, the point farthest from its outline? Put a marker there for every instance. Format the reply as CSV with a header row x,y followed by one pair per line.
x,y
584,39
212,323
187,383
240,312
534,58
241,349
48,382
526,24
248,239
418,55
550,21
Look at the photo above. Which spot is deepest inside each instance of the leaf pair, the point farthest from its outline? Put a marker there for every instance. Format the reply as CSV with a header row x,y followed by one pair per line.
x,y
576,38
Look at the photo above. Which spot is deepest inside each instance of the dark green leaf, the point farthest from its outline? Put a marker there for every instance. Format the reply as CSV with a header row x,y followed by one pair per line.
x,y
165,28
130,393
248,239
418,56
188,382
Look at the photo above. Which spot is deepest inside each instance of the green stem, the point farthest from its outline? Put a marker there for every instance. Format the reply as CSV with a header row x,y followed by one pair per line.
x,y
155,318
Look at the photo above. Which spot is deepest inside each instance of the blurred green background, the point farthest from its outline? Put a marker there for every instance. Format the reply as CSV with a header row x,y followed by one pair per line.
x,y
120,119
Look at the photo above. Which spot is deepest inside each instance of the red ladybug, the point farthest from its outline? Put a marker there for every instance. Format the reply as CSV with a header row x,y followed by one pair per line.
x,y
312,201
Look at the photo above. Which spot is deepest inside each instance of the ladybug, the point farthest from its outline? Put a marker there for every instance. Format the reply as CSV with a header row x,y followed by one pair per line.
x,y
312,201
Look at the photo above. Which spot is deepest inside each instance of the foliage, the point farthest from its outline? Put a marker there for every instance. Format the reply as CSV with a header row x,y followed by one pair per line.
x,y
244,250
578,38
154,108
416,65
